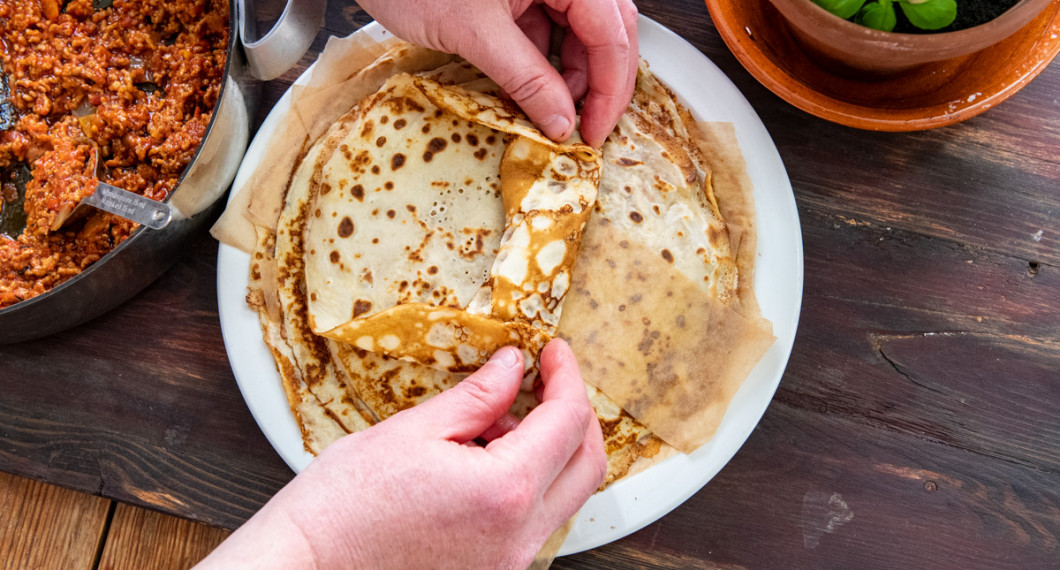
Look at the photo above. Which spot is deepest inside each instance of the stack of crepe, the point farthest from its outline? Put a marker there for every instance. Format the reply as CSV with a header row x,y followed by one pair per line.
x,y
429,223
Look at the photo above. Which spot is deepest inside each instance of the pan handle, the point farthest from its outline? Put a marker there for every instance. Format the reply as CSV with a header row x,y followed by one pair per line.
x,y
271,55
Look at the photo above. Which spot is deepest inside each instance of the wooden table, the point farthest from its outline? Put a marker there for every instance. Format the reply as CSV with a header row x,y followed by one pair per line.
x,y
917,425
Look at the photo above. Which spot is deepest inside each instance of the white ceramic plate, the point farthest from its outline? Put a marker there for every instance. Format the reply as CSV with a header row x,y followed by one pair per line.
x,y
636,501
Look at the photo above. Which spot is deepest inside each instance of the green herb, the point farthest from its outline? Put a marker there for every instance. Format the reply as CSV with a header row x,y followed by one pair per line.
x,y
880,14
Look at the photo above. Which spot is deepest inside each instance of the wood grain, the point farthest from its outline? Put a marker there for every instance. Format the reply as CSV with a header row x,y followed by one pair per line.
x,y
917,423
149,540
45,527
153,415
900,501
958,344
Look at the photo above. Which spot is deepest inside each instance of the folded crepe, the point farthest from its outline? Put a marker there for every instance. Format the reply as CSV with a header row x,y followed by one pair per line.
x,y
409,253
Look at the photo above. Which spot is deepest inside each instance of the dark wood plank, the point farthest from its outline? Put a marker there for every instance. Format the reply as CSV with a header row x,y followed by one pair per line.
x,y
822,491
149,540
990,182
923,391
958,344
141,406
45,527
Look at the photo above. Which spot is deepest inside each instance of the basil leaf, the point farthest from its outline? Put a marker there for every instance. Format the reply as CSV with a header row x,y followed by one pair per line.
x,y
842,8
878,16
930,14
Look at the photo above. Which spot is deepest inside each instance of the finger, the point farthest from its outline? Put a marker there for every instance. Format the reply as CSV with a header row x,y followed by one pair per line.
x,y
509,57
602,106
502,426
575,66
608,31
551,433
537,26
470,408
560,18
580,478
573,56
629,19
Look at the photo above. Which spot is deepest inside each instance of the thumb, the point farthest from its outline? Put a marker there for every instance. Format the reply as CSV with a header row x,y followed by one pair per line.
x,y
510,58
468,409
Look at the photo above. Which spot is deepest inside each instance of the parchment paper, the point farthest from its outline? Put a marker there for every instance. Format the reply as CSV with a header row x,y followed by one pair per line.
x,y
646,336
655,343
348,69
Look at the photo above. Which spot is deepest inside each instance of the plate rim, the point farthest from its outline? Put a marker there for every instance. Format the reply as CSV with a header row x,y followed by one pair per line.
x,y
593,527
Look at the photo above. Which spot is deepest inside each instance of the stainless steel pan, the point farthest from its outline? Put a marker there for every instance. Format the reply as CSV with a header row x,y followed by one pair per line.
x,y
147,253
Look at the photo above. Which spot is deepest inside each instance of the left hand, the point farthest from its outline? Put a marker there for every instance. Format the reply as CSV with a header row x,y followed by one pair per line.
x,y
508,39
414,491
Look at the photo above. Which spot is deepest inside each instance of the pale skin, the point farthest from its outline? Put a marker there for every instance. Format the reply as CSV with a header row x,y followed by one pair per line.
x,y
506,39
416,491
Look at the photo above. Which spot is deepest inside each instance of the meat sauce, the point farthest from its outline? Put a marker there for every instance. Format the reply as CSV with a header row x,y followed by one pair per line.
x,y
119,92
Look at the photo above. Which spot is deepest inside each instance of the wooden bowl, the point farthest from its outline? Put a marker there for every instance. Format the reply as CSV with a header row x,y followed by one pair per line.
x,y
857,51
933,94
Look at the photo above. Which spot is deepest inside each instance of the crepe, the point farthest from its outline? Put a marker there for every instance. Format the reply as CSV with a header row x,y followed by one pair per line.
x,y
656,188
315,386
382,281
410,255
318,396
407,186
529,210
548,194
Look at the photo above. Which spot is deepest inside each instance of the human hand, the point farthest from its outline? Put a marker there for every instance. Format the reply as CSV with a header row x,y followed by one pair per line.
x,y
507,40
415,491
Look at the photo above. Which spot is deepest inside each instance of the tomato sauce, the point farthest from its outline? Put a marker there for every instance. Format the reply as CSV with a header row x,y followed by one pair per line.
x,y
120,92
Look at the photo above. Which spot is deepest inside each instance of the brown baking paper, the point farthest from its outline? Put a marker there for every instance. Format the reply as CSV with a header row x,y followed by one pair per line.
x,y
347,70
547,554
733,190
670,354
651,340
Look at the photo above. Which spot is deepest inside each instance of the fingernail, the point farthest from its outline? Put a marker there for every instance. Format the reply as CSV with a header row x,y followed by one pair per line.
x,y
557,127
506,357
